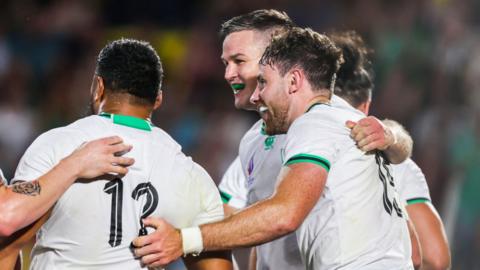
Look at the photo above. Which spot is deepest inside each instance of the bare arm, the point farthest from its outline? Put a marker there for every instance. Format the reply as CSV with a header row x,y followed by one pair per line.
x,y
229,210
25,202
431,234
10,246
262,222
388,136
416,251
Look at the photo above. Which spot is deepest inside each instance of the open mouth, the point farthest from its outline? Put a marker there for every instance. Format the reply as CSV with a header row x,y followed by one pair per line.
x,y
237,87
262,109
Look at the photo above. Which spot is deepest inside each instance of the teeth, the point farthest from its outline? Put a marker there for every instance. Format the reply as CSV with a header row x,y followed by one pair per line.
x,y
262,109
237,87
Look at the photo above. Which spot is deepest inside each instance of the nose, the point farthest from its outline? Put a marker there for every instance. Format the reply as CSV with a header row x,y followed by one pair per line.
x,y
230,72
255,97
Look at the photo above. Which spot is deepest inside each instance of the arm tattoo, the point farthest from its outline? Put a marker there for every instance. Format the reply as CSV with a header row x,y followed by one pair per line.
x,y
27,188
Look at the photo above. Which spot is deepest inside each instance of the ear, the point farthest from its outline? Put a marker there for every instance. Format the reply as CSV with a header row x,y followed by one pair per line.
x,y
99,91
295,80
158,100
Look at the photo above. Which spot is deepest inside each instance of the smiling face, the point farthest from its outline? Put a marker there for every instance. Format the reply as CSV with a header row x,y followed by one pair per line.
x,y
241,52
272,99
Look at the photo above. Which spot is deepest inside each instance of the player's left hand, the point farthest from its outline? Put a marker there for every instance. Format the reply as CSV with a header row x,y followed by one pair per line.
x,y
370,134
160,247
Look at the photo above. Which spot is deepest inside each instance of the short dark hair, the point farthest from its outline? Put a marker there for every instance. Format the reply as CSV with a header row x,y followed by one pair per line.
x,y
355,76
260,20
319,58
131,66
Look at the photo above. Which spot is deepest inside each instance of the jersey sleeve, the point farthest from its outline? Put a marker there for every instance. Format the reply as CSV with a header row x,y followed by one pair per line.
x,y
232,187
3,180
44,153
310,141
412,183
210,201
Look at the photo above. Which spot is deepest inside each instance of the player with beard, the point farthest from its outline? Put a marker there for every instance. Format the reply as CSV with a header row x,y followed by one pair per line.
x,y
252,175
298,71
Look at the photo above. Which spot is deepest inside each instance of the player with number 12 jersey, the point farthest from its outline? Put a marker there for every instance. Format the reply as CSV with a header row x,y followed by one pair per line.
x,y
92,224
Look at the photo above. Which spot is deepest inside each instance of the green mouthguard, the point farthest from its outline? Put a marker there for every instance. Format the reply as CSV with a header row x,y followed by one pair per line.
x,y
238,86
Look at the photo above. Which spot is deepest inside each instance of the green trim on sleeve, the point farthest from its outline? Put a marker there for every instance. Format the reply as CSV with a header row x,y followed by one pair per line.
x,y
417,200
311,159
225,196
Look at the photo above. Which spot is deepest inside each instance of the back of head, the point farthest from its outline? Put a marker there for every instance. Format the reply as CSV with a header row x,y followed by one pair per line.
x,y
259,20
132,67
319,58
354,78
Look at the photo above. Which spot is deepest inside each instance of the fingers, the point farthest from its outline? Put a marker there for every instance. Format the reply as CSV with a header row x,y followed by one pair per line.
x,y
154,222
153,260
358,133
370,142
119,149
350,124
122,161
141,241
116,170
111,140
145,251
368,121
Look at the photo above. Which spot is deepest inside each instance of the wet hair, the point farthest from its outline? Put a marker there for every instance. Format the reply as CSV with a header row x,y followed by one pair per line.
x,y
259,20
355,76
131,66
319,58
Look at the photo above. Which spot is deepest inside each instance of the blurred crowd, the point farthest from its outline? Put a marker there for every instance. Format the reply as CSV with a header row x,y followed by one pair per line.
x,y
426,57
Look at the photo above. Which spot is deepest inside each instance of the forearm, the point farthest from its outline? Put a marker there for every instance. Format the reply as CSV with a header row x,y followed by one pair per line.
x,y
402,145
432,237
255,225
25,202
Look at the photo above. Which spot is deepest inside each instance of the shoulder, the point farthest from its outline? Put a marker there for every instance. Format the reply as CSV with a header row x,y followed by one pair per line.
x,y
162,137
256,131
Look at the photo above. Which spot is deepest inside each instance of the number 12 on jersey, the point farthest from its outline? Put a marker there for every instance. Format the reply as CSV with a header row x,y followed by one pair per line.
x,y
115,188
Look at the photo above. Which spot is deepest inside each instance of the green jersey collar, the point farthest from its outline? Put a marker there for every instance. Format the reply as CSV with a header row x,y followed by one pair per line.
x,y
129,121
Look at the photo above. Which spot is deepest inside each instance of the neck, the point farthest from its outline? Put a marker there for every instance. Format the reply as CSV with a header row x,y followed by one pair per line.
x,y
124,108
319,99
305,103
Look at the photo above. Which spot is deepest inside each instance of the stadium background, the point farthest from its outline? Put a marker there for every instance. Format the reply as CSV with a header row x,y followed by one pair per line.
x,y
426,60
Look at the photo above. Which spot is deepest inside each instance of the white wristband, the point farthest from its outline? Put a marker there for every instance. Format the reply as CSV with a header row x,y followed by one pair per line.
x,y
192,241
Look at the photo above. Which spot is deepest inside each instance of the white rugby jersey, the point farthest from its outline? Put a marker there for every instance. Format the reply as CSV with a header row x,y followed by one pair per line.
x,y
93,223
412,185
262,157
233,187
2,178
358,222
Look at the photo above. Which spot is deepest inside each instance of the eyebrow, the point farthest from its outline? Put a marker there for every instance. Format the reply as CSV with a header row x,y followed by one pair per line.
x,y
233,56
